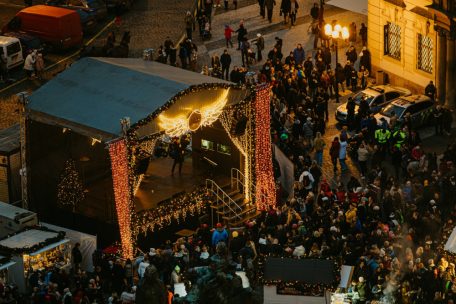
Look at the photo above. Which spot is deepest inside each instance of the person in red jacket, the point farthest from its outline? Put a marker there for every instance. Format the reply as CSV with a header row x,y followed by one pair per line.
x,y
228,32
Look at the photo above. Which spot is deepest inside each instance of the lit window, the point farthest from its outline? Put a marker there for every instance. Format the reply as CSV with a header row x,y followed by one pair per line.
x,y
392,38
207,144
224,149
425,56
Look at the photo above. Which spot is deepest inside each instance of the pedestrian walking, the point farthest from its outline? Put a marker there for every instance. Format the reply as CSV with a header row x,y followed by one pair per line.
x,y
430,90
225,60
285,8
228,35
3,68
241,33
262,11
363,156
39,66
363,34
260,46
183,55
352,31
334,152
189,24
29,64
343,154
319,146
293,11
269,4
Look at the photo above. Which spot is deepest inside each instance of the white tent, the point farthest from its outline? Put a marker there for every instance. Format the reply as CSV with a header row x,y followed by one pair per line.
x,y
450,245
88,244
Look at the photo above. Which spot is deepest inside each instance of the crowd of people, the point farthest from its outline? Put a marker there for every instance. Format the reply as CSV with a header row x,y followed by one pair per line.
x,y
390,225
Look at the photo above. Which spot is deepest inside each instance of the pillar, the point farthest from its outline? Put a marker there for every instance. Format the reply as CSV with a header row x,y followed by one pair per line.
x,y
450,74
441,63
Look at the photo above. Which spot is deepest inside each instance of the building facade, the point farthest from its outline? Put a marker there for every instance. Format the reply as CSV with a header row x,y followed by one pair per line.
x,y
413,42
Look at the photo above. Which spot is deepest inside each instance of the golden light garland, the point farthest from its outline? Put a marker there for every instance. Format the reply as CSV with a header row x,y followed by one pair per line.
x,y
180,125
265,186
118,153
176,209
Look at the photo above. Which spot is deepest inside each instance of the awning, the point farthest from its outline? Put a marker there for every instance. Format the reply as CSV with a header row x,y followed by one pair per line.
x,y
53,245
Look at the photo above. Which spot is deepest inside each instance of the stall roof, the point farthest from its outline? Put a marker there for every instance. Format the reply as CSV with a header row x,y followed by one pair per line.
x,y
12,212
450,244
10,139
27,239
95,93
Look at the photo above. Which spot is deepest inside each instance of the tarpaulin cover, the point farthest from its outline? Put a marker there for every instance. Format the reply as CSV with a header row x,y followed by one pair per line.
x,y
98,92
308,271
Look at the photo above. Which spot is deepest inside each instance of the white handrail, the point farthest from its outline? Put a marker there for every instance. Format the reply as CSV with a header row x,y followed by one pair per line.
x,y
237,177
223,197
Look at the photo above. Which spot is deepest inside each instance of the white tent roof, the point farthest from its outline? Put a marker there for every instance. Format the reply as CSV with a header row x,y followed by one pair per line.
x,y
451,243
27,239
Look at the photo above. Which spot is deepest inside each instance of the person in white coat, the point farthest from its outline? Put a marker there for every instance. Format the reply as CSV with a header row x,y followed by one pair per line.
x,y
29,64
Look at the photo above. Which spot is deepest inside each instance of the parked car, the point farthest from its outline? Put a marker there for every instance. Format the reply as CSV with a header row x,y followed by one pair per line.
x,y
123,5
11,49
58,27
28,42
95,8
88,19
419,107
377,97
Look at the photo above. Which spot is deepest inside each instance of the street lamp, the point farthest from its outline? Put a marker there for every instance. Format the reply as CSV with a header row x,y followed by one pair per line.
x,y
335,33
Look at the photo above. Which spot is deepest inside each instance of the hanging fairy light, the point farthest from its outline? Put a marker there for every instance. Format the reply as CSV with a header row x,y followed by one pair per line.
x,y
118,153
265,186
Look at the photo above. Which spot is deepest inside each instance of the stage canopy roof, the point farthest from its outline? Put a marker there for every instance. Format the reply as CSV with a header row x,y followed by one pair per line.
x,y
93,94
450,245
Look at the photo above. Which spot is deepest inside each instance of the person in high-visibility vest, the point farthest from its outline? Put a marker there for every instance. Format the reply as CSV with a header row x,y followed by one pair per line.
x,y
382,137
399,137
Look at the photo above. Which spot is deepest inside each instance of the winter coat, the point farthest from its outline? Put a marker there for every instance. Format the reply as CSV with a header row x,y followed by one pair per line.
x,y
285,6
228,31
299,55
363,154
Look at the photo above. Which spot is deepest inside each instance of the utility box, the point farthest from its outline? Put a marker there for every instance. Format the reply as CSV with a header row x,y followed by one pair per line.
x,y
10,164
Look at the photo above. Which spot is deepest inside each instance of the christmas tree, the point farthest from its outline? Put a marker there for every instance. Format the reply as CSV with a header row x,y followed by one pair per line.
x,y
70,191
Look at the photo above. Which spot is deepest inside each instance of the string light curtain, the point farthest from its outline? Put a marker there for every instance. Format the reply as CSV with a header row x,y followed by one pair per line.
x,y
118,153
265,186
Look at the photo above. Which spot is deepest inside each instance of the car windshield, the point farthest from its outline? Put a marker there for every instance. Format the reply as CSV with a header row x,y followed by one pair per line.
x,y
363,95
392,109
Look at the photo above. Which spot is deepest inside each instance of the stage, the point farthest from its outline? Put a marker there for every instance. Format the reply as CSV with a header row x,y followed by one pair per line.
x,y
158,184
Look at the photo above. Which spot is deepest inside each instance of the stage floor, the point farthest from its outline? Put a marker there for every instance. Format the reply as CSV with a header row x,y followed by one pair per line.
x,y
159,184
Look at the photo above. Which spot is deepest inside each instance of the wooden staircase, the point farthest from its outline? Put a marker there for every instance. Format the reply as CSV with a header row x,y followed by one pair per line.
x,y
230,206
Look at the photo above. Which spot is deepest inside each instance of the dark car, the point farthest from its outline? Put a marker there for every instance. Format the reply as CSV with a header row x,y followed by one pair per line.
x,y
122,5
28,42
95,8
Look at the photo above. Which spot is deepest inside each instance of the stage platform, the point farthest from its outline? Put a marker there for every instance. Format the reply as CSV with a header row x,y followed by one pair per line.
x,y
159,184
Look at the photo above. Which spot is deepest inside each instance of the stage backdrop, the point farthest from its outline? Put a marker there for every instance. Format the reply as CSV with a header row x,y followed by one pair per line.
x,y
286,171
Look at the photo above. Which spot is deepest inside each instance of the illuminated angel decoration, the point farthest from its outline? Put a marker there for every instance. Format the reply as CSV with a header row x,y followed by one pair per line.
x,y
206,116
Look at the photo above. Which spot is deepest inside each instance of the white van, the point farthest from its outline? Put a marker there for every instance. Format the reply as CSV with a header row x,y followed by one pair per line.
x,y
11,49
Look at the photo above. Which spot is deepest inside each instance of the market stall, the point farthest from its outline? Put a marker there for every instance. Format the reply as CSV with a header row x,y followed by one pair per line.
x,y
5,263
35,249
87,242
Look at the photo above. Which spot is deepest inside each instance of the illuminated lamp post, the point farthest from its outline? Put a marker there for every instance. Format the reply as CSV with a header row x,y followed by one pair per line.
x,y
335,34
